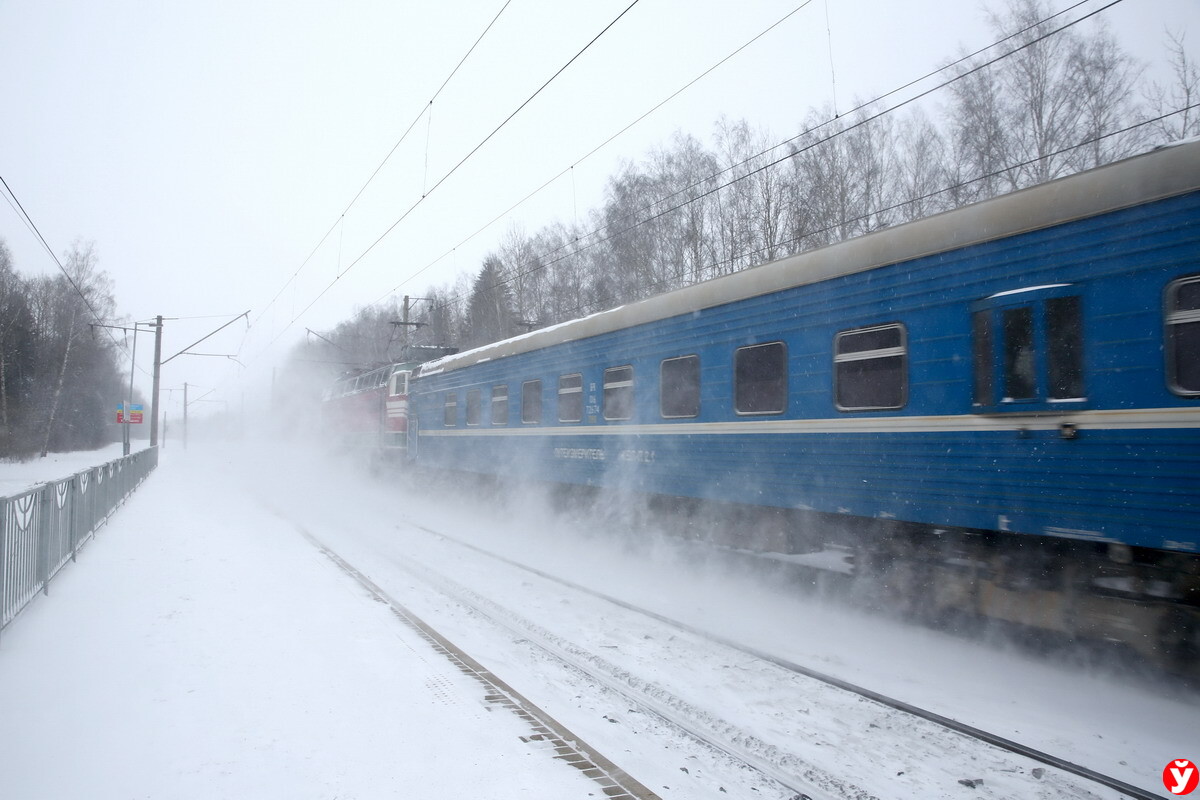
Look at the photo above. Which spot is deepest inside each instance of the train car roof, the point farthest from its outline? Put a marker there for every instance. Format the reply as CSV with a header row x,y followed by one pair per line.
x,y
1158,174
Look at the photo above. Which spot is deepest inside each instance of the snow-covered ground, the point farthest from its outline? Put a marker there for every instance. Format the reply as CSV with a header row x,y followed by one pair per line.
x,y
17,476
202,647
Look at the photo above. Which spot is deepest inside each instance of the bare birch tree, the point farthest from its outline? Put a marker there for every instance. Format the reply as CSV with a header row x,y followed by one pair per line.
x,y
67,304
15,341
753,210
1052,106
1103,76
1177,102
921,172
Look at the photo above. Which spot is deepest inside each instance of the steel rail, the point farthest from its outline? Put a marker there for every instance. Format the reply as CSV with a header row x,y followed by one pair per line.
x,y
614,782
802,780
811,790
949,723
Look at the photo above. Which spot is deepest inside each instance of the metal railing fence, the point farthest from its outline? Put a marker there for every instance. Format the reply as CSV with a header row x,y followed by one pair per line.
x,y
44,527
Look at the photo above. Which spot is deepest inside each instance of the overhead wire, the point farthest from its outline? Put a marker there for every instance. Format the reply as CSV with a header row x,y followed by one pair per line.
x,y
23,215
20,216
542,264
456,167
929,195
424,110
488,138
665,198
631,124
608,141
33,226
868,104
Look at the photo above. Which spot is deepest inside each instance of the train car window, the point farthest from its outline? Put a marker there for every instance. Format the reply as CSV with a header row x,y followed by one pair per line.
x,y
500,405
1064,344
760,379
618,393
679,387
450,414
531,402
1020,381
982,344
474,406
570,398
1183,336
871,368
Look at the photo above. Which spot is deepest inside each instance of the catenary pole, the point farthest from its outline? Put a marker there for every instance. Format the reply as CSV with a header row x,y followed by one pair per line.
x,y
128,406
158,327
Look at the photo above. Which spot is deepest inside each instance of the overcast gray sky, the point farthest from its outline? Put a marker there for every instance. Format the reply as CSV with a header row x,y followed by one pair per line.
x,y
206,148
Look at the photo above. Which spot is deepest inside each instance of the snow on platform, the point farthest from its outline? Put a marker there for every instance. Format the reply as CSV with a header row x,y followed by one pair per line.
x,y
17,476
201,648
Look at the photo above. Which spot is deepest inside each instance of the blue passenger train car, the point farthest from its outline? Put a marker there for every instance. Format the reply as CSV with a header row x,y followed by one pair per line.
x,y
1023,370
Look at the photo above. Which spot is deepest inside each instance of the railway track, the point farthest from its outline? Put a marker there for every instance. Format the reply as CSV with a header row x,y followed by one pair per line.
x,y
793,775
1002,743
792,769
545,731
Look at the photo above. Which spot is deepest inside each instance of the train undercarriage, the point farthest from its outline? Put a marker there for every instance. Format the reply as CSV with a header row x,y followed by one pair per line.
x,y
1137,600
1143,600
1139,605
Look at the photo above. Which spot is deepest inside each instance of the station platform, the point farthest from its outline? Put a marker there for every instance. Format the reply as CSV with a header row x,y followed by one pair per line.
x,y
200,648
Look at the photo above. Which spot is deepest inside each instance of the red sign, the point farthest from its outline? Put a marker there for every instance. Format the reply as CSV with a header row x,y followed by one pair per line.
x,y
1181,777
135,414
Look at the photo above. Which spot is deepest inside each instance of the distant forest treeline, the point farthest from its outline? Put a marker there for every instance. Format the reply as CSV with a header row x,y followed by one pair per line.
x,y
59,377
1043,104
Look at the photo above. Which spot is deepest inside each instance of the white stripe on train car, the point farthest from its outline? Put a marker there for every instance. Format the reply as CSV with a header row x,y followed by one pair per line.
x,y
1109,420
